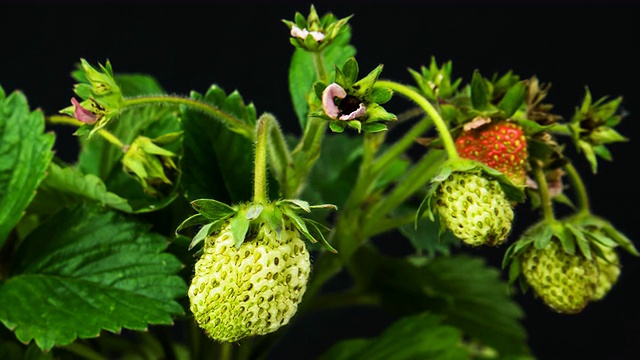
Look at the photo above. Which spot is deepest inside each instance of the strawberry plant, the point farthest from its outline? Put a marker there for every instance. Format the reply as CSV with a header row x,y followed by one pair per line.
x,y
196,225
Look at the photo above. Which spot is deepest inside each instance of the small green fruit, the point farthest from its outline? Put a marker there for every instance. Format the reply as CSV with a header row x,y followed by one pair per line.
x,y
475,209
565,282
252,290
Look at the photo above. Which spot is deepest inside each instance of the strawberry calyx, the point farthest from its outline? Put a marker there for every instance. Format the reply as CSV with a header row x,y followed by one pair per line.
x,y
213,215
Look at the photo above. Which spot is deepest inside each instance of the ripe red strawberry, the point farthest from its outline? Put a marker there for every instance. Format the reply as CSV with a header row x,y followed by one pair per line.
x,y
500,145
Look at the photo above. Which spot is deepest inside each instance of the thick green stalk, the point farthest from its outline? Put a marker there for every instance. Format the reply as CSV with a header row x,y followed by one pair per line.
x,y
543,191
421,101
260,159
579,189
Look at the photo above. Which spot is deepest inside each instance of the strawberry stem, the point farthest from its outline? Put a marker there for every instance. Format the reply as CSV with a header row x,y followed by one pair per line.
x,y
579,189
68,120
229,120
260,159
440,124
543,190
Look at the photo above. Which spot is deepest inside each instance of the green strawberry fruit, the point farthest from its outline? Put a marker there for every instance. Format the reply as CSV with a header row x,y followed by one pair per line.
x,y
609,272
475,209
565,282
252,290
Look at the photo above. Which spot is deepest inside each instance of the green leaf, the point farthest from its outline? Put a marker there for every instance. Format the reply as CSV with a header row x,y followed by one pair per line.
x,y
470,295
302,74
426,237
217,162
66,186
85,270
420,336
25,154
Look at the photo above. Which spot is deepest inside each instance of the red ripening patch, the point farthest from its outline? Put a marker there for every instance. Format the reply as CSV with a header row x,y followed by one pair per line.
x,y
501,146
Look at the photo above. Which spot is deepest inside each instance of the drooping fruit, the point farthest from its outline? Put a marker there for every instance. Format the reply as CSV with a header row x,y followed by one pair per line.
x,y
609,270
500,145
565,282
474,208
252,290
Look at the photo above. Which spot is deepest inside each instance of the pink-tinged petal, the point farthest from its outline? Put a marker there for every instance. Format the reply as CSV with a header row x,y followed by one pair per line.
x,y
297,32
317,35
328,103
359,112
82,114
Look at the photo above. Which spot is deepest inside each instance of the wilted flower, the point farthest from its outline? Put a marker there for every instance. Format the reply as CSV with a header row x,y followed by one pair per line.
x,y
149,163
82,114
314,33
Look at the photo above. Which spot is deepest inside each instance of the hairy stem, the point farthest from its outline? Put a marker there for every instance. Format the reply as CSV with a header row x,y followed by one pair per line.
x,y
233,123
260,159
68,120
543,190
440,124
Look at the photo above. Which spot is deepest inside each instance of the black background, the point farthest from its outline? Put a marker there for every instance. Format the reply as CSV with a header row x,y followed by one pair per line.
x,y
189,46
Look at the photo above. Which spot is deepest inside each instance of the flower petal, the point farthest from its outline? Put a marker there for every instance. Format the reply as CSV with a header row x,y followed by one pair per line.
x,y
359,112
299,33
82,114
328,103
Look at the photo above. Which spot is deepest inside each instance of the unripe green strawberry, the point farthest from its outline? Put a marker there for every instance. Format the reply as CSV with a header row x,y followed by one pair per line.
x,y
609,272
474,208
500,145
252,290
565,282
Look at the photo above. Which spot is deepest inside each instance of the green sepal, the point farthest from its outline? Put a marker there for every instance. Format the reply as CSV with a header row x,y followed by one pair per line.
x,y
381,95
193,220
374,127
205,231
239,225
513,99
212,209
479,92
362,88
316,226
318,88
356,124
348,74
298,222
254,211
580,239
376,112
337,126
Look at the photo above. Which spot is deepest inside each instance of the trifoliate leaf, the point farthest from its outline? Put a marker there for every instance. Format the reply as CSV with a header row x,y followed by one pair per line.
x,y
25,154
66,186
420,336
85,270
